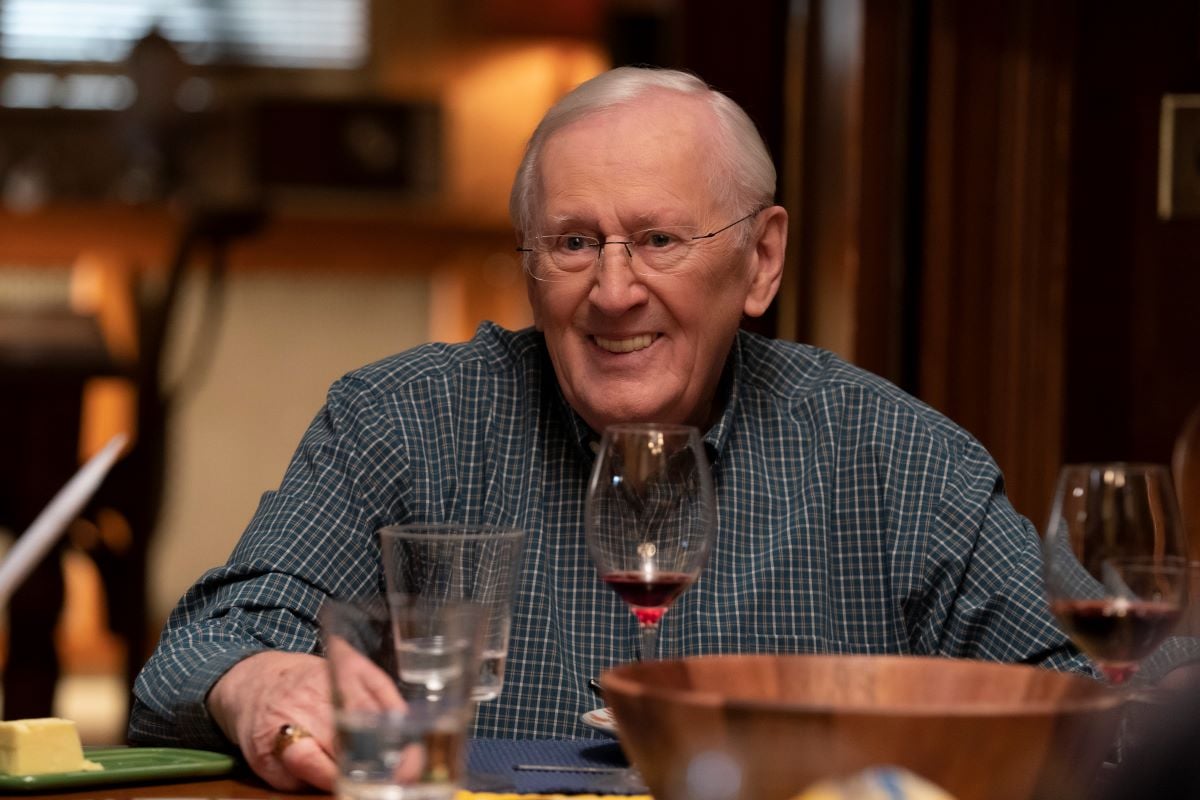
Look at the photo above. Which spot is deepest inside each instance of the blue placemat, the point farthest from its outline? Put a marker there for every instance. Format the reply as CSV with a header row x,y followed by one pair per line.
x,y
493,766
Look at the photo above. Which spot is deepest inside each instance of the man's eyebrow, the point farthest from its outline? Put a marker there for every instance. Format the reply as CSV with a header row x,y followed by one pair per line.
x,y
570,221
661,219
645,220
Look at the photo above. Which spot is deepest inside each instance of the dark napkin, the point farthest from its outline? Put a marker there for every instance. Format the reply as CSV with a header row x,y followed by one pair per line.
x,y
491,767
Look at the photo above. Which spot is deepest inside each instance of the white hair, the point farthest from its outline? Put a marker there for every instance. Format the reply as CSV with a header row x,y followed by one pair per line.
x,y
743,175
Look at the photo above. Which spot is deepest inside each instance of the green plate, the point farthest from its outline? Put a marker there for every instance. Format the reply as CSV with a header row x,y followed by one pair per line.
x,y
126,765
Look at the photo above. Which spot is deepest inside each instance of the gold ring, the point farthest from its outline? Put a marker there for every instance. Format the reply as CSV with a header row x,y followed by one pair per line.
x,y
288,735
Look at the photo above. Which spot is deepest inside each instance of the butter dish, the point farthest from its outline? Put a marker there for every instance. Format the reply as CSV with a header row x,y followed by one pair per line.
x,y
127,765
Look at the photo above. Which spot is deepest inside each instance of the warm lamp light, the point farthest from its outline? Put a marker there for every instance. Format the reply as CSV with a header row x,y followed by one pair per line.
x,y
491,108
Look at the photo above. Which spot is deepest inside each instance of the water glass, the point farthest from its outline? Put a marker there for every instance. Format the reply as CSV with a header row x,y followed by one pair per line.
x,y
438,645
429,566
394,742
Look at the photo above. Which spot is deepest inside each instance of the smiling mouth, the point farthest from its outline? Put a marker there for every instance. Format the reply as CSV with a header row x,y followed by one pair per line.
x,y
627,345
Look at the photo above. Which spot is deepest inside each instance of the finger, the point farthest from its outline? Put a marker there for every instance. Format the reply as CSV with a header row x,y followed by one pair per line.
x,y
308,761
271,762
273,771
363,685
383,689
410,765
356,677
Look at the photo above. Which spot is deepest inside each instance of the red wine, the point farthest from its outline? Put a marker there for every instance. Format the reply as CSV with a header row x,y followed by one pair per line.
x,y
648,596
1117,633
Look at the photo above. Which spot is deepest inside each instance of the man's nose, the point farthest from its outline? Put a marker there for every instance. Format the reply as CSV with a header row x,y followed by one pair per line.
x,y
603,247
617,286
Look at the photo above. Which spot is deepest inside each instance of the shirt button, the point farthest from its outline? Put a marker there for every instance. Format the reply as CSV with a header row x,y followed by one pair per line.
x,y
594,446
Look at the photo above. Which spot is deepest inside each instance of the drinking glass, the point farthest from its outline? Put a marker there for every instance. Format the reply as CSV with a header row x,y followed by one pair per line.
x,y
428,567
650,517
430,638
395,740
1115,562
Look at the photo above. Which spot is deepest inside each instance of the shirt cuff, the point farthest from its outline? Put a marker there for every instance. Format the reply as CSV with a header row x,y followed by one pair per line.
x,y
174,709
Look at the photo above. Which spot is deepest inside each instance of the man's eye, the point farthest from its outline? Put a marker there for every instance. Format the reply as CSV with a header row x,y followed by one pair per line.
x,y
573,244
659,239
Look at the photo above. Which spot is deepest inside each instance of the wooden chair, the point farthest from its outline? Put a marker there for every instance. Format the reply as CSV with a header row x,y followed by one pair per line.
x,y
47,356
136,487
106,352
1185,465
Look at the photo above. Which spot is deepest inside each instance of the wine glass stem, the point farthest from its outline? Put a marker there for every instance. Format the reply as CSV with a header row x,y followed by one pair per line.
x,y
649,635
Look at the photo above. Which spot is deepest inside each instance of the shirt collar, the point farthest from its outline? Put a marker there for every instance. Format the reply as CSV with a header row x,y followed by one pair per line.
x,y
588,440
728,393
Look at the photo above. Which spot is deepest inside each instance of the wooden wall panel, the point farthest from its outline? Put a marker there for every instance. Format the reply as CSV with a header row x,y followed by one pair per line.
x,y
1133,371
851,221
830,248
739,49
997,165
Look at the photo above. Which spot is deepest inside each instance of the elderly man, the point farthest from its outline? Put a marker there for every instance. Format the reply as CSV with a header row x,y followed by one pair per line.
x,y
853,518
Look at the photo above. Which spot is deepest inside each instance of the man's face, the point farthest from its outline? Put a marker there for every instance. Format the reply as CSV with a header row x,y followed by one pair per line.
x,y
628,345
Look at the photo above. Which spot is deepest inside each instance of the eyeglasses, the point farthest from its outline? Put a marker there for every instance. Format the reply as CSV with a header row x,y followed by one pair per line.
x,y
660,250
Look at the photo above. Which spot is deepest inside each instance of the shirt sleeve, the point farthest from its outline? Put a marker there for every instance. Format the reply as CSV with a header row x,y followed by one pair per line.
x,y
985,596
312,538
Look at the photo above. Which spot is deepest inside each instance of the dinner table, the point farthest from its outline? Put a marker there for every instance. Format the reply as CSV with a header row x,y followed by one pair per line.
x,y
497,769
246,786
232,786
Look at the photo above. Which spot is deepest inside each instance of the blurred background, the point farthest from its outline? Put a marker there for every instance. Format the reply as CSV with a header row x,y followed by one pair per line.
x,y
211,209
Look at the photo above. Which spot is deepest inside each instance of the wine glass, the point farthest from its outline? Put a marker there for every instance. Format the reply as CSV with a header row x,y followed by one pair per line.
x,y
1116,562
650,517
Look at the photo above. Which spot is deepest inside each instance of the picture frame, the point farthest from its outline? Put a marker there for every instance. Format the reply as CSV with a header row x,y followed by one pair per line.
x,y
1179,157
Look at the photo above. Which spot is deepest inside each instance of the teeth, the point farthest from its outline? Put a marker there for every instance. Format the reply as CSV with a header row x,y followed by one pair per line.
x,y
626,345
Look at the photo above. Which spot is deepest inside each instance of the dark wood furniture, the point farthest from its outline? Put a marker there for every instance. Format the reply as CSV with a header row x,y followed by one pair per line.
x,y
1185,464
46,357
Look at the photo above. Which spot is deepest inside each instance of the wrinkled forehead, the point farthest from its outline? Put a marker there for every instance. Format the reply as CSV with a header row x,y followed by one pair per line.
x,y
654,152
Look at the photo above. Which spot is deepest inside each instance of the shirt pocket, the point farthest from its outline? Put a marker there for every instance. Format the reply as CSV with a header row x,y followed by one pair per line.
x,y
791,644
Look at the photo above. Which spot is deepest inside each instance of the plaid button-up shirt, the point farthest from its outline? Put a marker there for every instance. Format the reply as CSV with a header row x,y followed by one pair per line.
x,y
852,519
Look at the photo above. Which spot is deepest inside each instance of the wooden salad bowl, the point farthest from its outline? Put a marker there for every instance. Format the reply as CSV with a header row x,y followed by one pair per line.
x,y
768,726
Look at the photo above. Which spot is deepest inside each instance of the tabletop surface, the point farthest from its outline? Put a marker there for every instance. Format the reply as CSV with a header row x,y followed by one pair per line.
x,y
240,785
589,768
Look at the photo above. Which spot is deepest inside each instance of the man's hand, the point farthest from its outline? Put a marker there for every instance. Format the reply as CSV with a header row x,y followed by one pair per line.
x,y
266,691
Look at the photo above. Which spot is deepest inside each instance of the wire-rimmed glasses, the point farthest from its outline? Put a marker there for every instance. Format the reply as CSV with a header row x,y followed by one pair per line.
x,y
658,250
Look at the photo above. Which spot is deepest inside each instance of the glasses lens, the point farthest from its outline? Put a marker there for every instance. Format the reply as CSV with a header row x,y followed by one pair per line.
x,y
654,250
563,254
661,249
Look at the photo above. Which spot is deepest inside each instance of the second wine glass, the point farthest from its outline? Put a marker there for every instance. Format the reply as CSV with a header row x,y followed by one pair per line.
x,y
1115,562
650,517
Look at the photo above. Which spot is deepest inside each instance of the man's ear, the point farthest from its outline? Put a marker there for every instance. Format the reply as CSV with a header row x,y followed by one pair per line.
x,y
766,260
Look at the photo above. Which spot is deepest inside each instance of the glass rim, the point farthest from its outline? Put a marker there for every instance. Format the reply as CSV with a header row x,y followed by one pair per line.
x,y
432,531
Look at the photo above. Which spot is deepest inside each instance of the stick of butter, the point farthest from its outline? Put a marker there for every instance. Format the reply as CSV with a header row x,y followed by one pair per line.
x,y
39,746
